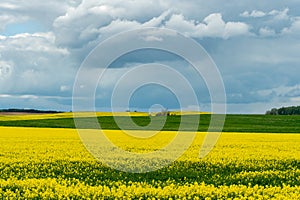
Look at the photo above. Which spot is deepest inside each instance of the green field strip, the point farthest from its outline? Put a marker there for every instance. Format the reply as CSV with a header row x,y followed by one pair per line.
x,y
233,123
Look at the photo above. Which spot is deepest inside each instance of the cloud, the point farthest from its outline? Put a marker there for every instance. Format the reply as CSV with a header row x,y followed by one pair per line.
x,y
6,69
42,60
294,29
115,9
153,38
254,13
6,19
277,14
5,95
65,88
86,22
28,96
36,42
212,26
266,32
93,21
280,14
285,91
35,101
157,21
32,62
31,96
118,26
295,100
8,6
283,95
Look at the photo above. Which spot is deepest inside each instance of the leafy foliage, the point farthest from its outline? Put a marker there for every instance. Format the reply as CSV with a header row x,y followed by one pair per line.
x,y
292,110
12,110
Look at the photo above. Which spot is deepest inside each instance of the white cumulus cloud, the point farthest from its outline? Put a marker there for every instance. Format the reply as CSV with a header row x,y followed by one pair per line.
x,y
254,13
212,26
280,14
277,14
31,62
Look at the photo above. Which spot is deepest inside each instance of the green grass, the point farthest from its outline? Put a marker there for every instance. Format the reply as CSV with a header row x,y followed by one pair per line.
x,y
233,123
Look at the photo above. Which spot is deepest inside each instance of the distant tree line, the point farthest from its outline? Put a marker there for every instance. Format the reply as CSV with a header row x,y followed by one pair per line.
x,y
291,110
28,111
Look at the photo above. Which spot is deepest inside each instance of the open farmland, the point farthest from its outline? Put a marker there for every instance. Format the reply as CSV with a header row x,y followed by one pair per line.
x,y
52,163
233,123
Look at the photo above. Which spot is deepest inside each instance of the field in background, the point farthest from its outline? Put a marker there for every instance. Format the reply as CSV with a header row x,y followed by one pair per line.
x,y
7,116
233,123
30,116
53,163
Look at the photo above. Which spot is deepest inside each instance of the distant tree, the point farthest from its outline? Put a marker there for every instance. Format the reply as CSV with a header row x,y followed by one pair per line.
x,y
29,111
164,112
273,111
292,110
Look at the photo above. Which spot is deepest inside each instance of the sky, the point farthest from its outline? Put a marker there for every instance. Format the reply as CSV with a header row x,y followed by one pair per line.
x,y
254,45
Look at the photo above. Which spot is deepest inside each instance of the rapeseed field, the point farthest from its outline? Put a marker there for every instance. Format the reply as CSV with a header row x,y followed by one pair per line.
x,y
49,163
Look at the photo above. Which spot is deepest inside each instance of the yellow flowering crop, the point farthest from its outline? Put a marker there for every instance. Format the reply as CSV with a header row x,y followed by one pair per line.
x,y
41,163
66,115
86,114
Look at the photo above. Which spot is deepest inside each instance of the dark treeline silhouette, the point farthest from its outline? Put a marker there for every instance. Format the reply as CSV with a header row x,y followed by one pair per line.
x,y
28,111
291,110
